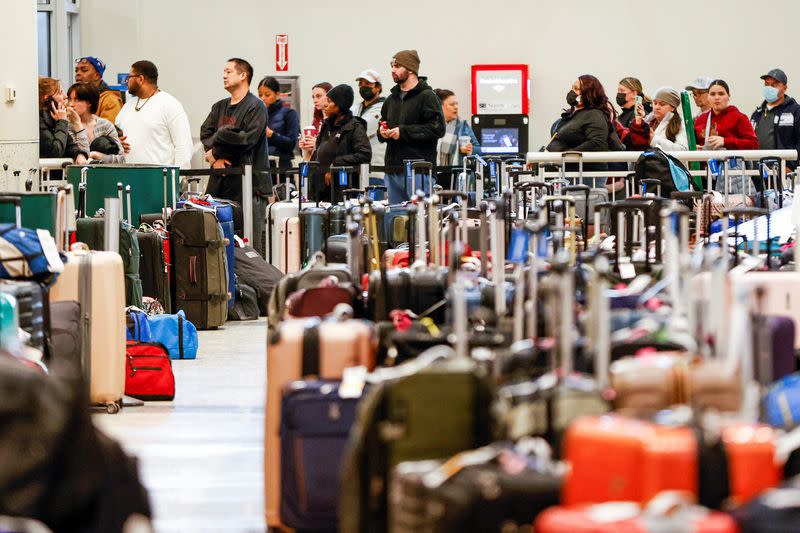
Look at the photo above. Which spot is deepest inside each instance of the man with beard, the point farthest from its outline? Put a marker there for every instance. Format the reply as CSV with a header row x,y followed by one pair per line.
x,y
154,122
244,115
90,70
412,123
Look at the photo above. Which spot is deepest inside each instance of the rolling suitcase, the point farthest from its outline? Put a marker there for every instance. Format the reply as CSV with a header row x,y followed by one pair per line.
x,y
315,425
66,339
153,267
30,308
95,280
296,349
201,270
277,215
254,271
430,408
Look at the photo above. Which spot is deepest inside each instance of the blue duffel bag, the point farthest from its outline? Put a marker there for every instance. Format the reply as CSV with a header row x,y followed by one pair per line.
x,y
176,333
782,402
28,254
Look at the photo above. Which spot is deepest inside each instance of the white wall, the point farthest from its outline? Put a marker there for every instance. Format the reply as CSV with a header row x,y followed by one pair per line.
x,y
665,43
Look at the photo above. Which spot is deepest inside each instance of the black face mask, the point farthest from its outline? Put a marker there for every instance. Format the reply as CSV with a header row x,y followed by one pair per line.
x,y
621,99
572,98
367,93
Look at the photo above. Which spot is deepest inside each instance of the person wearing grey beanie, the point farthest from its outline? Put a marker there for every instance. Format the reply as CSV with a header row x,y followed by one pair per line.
x,y
668,131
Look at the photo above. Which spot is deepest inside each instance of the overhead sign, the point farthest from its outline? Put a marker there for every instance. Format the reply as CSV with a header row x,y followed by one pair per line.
x,y
281,52
500,89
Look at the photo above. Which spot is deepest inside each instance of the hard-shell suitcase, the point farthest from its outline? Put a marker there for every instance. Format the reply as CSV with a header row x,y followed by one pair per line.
x,y
313,232
451,497
627,517
640,459
277,214
95,279
291,246
201,270
30,308
66,339
315,424
300,348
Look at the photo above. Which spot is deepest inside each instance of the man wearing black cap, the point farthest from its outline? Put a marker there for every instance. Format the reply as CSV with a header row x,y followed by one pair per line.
x,y
777,119
412,122
342,142
90,70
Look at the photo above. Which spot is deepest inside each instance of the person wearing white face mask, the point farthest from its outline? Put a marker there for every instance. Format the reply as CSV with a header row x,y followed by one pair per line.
x,y
777,120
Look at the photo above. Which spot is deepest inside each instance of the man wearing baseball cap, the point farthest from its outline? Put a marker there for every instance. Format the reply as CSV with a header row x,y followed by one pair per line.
x,y
699,88
777,119
413,123
369,108
90,70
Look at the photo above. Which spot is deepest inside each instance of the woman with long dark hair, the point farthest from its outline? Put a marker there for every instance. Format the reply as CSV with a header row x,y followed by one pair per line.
x,y
587,125
319,97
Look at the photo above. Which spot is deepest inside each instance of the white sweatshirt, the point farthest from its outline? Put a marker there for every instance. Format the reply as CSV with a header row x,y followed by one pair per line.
x,y
159,133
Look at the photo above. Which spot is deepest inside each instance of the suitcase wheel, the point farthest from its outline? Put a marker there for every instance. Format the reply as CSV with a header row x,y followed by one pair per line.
x,y
112,408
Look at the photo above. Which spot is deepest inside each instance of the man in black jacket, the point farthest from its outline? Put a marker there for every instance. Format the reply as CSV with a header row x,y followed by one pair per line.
x,y
412,123
777,119
244,111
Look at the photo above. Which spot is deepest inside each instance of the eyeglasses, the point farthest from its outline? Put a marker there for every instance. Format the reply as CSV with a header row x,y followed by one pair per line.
x,y
132,76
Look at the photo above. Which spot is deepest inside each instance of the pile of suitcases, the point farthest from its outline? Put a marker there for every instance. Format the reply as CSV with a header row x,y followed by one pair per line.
x,y
526,354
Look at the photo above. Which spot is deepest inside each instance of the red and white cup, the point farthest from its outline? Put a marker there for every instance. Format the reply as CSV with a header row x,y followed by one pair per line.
x,y
310,131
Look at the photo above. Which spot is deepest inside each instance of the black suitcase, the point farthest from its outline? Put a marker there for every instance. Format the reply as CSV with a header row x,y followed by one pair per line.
x,y
200,266
153,268
30,307
421,292
252,270
482,497
313,232
245,306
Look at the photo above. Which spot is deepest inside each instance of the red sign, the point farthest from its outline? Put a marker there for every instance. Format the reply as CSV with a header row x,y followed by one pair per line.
x,y
281,52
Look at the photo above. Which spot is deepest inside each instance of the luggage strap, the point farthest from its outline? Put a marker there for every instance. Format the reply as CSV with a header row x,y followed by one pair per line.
x,y
311,348
713,482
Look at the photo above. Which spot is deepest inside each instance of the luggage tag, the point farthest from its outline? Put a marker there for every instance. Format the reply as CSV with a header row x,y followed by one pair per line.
x,y
303,173
542,245
54,262
518,249
353,381
343,178
456,463
713,166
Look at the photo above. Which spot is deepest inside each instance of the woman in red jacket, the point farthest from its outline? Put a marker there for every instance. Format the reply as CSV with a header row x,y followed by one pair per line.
x,y
724,127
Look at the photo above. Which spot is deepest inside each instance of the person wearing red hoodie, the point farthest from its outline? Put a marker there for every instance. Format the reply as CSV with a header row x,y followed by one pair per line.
x,y
724,127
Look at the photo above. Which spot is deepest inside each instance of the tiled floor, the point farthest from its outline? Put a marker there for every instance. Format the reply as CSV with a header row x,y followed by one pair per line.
x,y
201,455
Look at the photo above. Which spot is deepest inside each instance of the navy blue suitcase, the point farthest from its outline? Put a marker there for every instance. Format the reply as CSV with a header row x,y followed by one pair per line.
x,y
315,425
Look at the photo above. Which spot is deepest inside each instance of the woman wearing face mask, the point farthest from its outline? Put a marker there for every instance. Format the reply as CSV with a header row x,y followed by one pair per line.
x,y
283,125
587,125
55,119
93,134
723,127
627,91
459,140
342,141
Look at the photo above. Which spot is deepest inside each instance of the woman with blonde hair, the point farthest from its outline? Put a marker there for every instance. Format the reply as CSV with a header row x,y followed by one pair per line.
x,y
627,91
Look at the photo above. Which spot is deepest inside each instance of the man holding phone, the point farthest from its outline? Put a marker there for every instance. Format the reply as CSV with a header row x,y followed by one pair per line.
x,y
411,122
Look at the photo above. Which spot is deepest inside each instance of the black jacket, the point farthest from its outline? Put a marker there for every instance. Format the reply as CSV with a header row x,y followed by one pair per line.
x,y
585,130
285,126
54,138
421,122
249,115
341,142
787,130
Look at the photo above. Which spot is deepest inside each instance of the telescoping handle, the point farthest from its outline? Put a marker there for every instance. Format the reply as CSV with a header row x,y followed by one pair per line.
x,y
423,168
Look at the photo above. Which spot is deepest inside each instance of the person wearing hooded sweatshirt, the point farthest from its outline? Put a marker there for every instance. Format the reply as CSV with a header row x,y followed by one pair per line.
x,y
412,123
90,70
723,127
342,141
777,120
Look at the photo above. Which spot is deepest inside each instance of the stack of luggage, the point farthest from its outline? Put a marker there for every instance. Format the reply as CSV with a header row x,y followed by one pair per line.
x,y
526,354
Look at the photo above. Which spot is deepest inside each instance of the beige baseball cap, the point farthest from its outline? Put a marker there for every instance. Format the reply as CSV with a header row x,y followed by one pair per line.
x,y
369,75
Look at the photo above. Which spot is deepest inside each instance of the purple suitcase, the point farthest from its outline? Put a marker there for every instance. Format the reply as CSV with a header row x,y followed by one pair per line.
x,y
315,425
775,353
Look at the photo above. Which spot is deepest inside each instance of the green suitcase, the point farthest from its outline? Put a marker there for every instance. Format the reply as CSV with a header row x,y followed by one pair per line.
x,y
430,408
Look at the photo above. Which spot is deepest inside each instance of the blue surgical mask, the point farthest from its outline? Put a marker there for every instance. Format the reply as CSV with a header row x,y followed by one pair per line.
x,y
770,93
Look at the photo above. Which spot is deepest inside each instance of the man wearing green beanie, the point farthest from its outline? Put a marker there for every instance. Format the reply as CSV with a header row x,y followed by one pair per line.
x,y
411,123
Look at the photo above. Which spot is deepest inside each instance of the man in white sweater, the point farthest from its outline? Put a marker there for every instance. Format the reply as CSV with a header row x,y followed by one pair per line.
x,y
154,122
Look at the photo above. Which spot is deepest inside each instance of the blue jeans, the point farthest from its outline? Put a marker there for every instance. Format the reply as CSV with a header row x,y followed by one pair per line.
x,y
398,184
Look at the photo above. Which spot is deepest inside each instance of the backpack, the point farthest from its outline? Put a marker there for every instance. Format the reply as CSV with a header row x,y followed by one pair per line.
x,y
657,164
